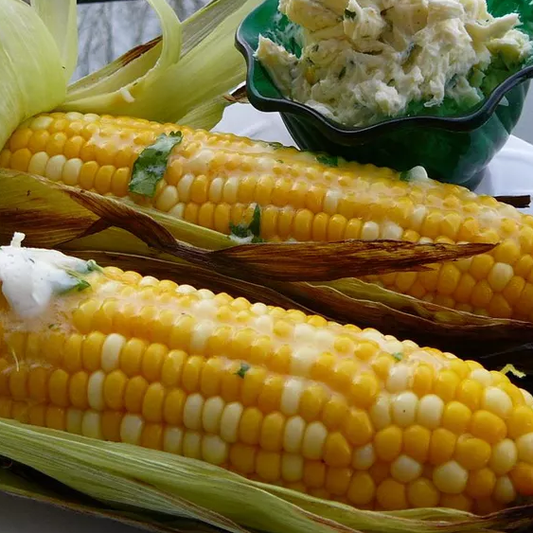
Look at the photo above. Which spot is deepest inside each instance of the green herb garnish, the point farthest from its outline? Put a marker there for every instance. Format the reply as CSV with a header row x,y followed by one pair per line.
x,y
349,14
398,356
93,266
328,160
242,370
275,145
253,230
78,285
150,166
342,73
405,175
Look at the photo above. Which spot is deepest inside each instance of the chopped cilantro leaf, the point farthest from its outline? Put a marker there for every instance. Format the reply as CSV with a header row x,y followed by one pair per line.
x,y
405,175
275,145
78,285
342,73
252,230
349,14
93,266
81,285
328,160
150,166
397,355
242,370
255,224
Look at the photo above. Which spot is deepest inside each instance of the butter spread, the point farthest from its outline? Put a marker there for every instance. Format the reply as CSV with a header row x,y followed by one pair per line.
x,y
365,60
30,277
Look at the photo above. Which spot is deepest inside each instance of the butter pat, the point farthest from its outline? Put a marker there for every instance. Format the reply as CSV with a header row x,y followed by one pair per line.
x,y
30,277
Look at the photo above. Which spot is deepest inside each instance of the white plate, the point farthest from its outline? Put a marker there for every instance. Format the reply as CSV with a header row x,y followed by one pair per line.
x,y
509,173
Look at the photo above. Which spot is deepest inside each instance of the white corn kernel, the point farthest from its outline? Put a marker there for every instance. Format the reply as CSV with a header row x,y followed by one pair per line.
x,y
430,410
111,351
497,401
38,163
293,434
192,445
313,441
214,449
131,429
504,457
229,423
192,411
499,276
380,412
364,457
450,478
95,390
370,231
290,398
405,469
398,379
54,167
404,407
91,425
172,440
212,414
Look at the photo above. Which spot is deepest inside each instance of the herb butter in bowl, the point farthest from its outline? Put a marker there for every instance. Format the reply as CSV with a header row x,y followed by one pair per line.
x,y
396,83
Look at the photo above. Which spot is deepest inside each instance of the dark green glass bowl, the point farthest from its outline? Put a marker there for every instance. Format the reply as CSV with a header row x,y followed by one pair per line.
x,y
454,149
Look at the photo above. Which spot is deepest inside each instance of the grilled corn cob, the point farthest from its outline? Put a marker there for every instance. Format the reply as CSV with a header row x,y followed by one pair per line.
x,y
275,395
216,179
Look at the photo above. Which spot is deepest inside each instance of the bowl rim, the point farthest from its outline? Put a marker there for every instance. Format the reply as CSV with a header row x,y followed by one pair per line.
x,y
463,123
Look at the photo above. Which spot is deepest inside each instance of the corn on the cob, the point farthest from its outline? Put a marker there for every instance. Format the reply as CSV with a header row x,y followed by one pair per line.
x,y
273,394
214,179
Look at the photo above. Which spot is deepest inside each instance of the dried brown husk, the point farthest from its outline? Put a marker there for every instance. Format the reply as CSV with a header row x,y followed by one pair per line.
x,y
54,215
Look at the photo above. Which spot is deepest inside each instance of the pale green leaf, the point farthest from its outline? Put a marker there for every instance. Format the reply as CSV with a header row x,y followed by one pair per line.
x,y
136,62
142,75
32,75
60,17
207,115
210,68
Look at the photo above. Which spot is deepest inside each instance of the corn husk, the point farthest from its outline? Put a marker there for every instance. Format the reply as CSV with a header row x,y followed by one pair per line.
x,y
302,275
185,85
28,52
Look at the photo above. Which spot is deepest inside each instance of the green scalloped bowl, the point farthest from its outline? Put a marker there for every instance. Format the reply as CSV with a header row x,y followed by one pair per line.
x,y
454,149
